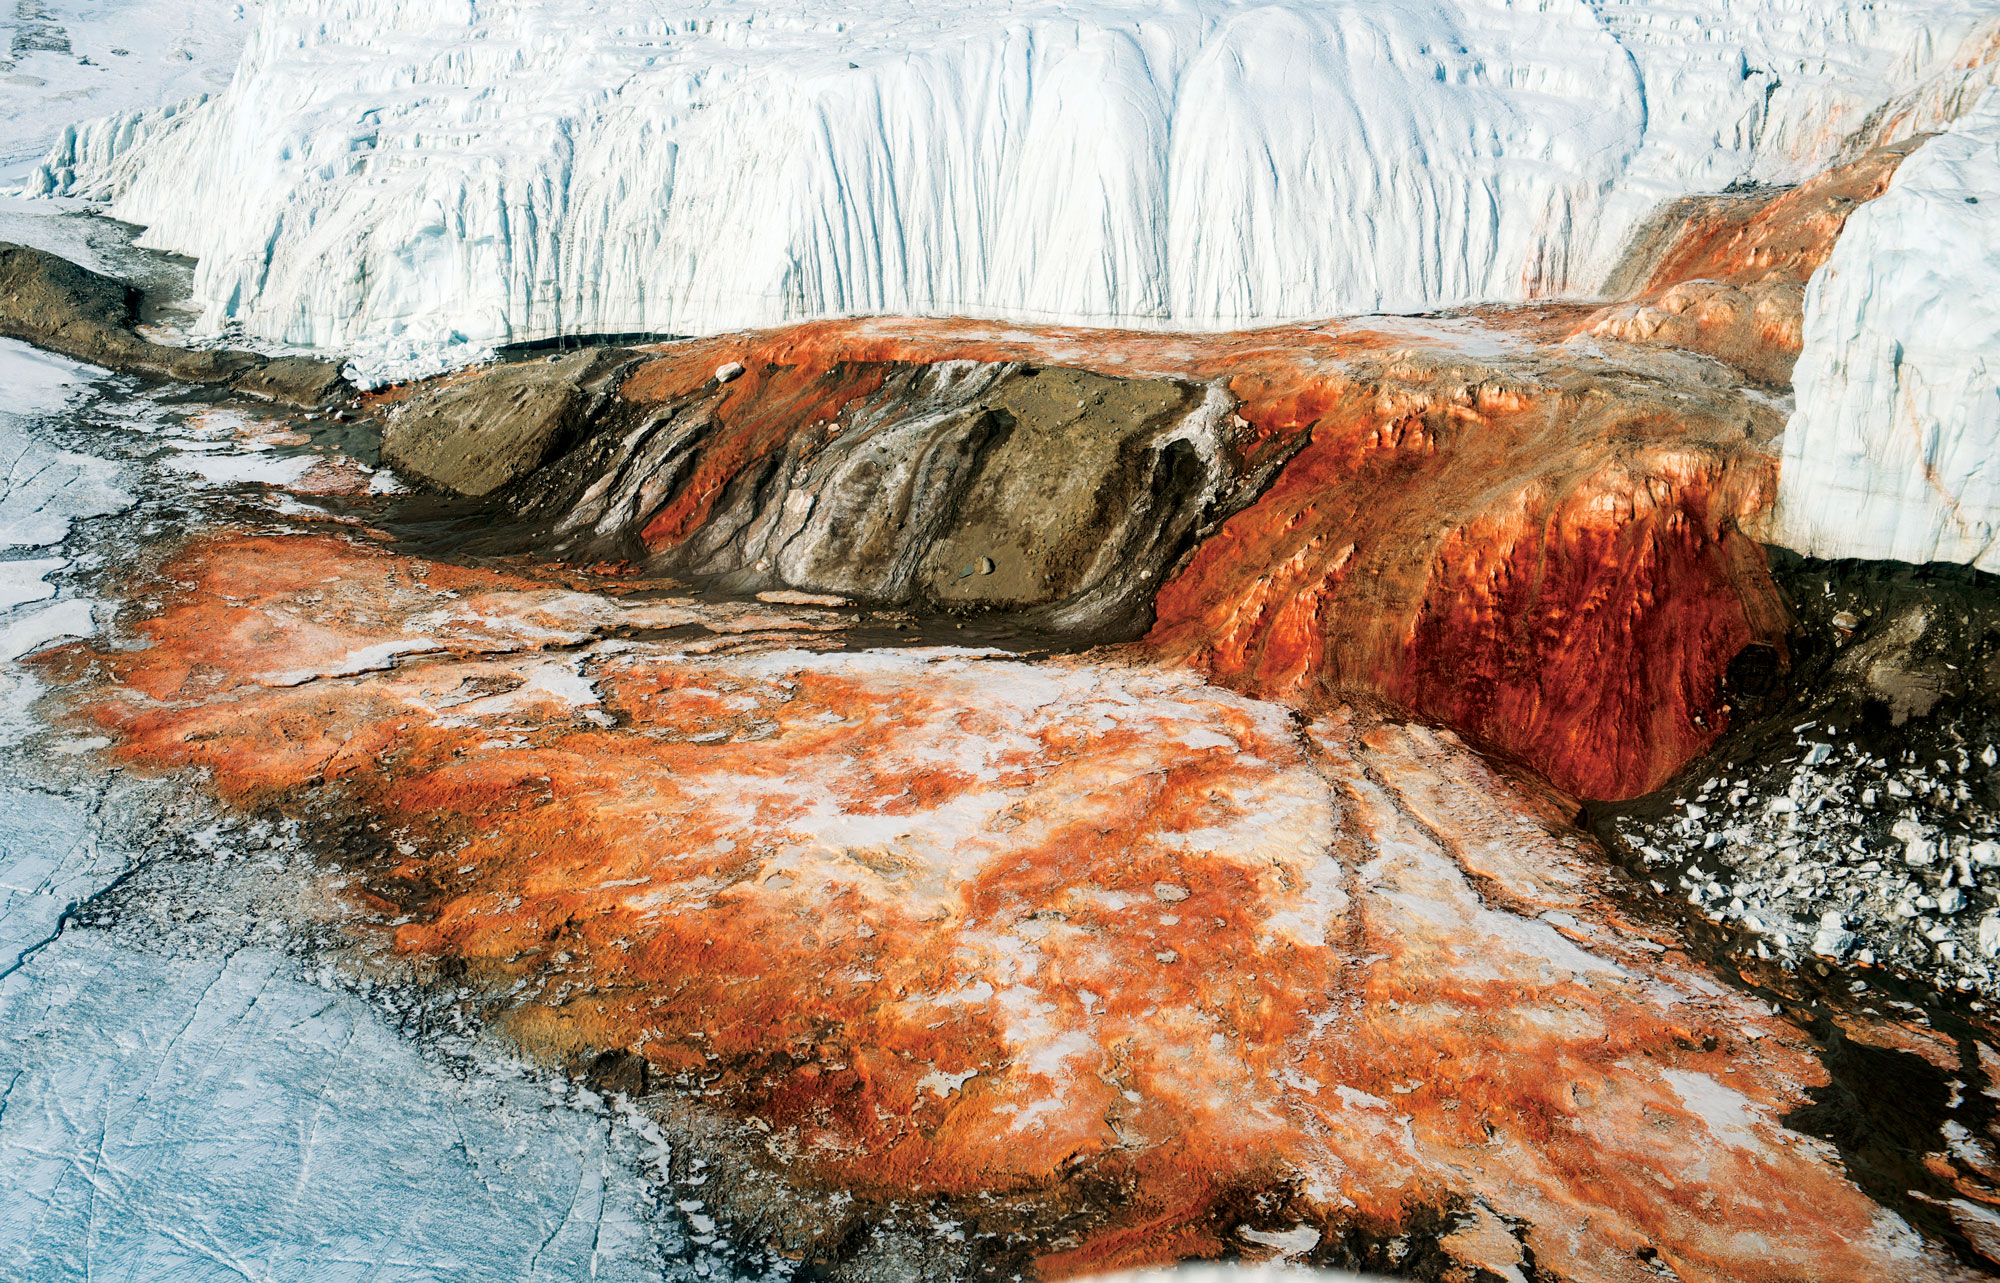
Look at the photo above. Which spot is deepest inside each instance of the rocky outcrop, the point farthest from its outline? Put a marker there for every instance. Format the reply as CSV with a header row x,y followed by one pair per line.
x,y
1540,547
53,303
1061,495
1102,963
483,429
292,380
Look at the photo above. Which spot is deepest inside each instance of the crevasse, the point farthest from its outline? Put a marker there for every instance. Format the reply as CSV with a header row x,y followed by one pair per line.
x,y
403,178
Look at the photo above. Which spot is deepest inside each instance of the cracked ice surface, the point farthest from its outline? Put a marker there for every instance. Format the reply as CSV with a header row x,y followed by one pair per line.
x,y
408,181
213,1118
48,861
193,1117
43,492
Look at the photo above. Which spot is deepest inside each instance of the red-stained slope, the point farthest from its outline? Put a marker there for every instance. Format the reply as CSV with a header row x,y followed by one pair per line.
x,y
1541,549
1726,275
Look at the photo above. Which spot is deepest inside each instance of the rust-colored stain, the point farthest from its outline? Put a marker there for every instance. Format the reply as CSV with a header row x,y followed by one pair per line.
x,y
938,923
1730,278
1781,236
1578,610
1551,560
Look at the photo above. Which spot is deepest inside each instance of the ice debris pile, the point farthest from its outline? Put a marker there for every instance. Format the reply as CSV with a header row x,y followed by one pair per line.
x,y
1890,452
1853,858
1860,823
389,177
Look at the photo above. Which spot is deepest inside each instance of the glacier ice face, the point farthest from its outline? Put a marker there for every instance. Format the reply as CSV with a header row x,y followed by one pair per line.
x,y
1894,449
393,178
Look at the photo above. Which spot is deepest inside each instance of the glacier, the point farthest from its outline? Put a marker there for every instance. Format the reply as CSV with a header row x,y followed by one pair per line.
x,y
62,60
407,181
1894,448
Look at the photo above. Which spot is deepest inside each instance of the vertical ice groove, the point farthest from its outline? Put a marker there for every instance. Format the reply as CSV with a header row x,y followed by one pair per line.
x,y
1891,450
392,178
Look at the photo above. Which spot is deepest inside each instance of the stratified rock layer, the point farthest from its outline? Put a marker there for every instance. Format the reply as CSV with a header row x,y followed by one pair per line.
x,y
1119,948
1540,547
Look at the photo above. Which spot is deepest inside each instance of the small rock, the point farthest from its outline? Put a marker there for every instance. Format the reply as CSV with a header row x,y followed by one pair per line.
x,y
1833,940
1917,847
1950,900
728,371
792,597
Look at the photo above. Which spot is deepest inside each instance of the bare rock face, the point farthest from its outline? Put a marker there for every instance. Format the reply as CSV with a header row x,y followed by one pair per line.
x,y
56,304
1061,494
476,432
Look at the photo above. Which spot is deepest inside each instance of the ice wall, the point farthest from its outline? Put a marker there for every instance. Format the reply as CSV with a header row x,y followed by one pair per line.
x,y
386,175
1894,450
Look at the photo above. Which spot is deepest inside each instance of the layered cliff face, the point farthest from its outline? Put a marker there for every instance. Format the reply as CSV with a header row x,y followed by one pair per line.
x,y
1890,453
401,181
1542,548
1105,964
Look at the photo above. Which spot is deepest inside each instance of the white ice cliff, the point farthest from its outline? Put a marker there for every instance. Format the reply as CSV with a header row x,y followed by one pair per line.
x,y
1894,450
391,176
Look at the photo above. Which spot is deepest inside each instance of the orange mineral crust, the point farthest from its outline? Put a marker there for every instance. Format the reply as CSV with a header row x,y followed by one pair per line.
x,y
1563,576
1726,275
1540,547
941,923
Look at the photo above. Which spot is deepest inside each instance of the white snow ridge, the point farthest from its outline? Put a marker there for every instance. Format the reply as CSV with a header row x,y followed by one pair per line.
x,y
388,177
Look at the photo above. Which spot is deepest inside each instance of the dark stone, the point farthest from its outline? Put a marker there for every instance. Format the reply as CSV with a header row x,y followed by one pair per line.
x,y
56,304
294,380
477,434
